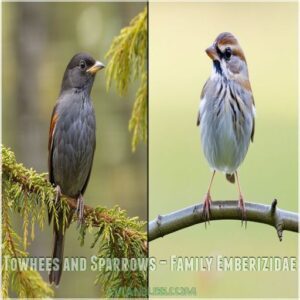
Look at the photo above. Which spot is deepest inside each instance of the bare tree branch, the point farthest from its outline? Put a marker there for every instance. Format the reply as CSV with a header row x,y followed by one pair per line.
x,y
224,210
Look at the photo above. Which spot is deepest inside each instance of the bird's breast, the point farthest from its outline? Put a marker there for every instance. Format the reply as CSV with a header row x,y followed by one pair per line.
x,y
74,144
225,128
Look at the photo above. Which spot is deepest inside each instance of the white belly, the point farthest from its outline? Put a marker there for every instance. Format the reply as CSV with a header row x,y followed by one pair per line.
x,y
223,151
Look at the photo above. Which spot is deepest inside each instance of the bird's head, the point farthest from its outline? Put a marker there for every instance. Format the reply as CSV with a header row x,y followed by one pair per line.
x,y
228,57
81,71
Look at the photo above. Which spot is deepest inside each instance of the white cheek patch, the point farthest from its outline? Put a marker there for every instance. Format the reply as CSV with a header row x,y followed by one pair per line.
x,y
225,70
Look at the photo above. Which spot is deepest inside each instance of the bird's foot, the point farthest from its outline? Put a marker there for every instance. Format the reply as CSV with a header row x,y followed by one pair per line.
x,y
80,210
241,205
206,207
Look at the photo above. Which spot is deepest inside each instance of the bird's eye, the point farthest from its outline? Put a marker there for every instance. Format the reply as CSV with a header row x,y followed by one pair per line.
x,y
227,53
82,65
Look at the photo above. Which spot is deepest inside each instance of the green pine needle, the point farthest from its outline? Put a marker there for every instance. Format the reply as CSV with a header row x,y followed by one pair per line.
x,y
128,61
29,194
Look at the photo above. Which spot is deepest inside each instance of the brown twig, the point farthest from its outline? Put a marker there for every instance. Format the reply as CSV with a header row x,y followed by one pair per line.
x,y
224,210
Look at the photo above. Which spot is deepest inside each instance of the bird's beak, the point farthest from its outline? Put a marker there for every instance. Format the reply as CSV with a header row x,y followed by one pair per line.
x,y
212,53
96,67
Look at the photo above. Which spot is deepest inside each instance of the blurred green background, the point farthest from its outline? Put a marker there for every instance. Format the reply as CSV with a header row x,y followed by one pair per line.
x,y
179,173
39,39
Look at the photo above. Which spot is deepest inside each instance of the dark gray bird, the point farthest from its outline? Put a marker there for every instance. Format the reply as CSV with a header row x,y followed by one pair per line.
x,y
72,141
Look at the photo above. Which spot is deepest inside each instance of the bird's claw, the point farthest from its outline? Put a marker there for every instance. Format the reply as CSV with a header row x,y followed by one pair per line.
x,y
206,208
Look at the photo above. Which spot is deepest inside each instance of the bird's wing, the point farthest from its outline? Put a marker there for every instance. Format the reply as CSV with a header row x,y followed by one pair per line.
x,y
253,120
246,85
53,122
92,142
253,112
90,171
201,99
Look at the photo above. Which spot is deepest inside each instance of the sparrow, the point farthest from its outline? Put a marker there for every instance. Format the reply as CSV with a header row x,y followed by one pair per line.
x,y
226,113
71,146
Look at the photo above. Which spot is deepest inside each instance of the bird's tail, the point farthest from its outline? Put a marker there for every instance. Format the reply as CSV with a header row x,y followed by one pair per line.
x,y
230,178
58,251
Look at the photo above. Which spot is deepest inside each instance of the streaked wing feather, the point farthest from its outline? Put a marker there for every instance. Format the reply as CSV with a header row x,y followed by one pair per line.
x,y
201,97
253,121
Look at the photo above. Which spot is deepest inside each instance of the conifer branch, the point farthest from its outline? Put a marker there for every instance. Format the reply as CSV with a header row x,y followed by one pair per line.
x,y
115,235
128,60
224,210
26,283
